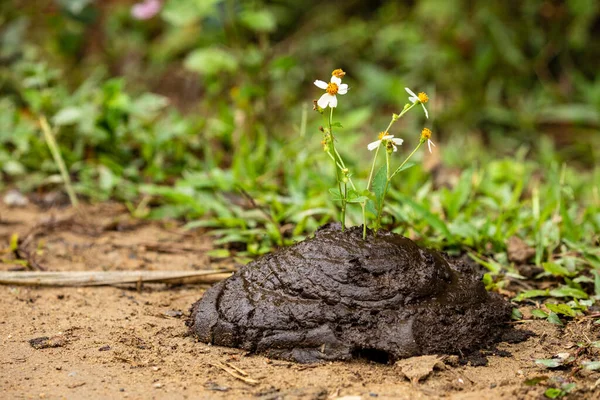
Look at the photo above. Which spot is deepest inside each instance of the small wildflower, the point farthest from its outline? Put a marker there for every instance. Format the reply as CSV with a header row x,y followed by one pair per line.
x,y
420,98
338,73
395,117
146,9
334,87
388,139
426,136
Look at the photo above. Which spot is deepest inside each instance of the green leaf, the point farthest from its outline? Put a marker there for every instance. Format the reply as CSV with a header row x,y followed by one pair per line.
x,y
67,116
211,61
371,207
556,270
404,167
591,365
516,314
552,393
355,197
335,194
337,125
535,380
14,242
528,294
596,283
554,319
539,313
561,309
379,183
218,253
181,13
493,267
259,21
550,362
566,291
432,219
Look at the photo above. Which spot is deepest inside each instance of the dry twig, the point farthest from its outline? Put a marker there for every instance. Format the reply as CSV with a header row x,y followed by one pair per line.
x,y
236,372
104,278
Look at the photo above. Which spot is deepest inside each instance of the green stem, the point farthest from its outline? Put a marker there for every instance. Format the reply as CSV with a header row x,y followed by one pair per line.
x,y
385,189
405,161
344,206
55,150
370,180
364,215
343,194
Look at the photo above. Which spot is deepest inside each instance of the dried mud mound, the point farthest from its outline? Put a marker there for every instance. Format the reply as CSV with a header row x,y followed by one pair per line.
x,y
337,297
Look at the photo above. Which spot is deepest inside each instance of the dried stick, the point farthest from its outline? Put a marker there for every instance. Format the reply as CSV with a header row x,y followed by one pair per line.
x,y
104,278
236,373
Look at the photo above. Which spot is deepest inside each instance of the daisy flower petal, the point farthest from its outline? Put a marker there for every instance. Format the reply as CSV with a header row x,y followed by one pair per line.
x,y
373,145
412,94
332,101
343,89
424,109
321,84
336,80
398,141
429,144
324,100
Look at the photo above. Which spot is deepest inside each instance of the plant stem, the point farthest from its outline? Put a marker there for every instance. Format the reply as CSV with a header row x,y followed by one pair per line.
x,y
407,158
372,169
55,150
385,189
370,180
364,215
342,194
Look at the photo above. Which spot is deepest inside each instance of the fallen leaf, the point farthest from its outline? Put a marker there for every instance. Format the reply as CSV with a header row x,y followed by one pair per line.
x,y
418,368
518,251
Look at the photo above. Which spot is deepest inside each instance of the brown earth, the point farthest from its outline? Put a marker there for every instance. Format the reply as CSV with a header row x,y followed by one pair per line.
x,y
128,342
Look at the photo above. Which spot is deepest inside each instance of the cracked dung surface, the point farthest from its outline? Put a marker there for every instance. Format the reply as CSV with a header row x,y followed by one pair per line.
x,y
337,297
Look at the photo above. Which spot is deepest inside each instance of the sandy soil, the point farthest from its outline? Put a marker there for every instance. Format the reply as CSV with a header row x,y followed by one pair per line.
x,y
127,342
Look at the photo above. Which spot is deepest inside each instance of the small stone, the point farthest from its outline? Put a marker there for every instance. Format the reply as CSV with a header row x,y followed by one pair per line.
x,y
104,348
45,342
14,198
157,385
173,313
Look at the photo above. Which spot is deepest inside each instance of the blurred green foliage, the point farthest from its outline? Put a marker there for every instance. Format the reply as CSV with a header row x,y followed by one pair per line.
x,y
203,112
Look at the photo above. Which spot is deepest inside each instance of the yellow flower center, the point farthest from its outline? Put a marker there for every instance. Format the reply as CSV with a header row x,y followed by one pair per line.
x,y
332,88
381,135
423,97
338,73
425,134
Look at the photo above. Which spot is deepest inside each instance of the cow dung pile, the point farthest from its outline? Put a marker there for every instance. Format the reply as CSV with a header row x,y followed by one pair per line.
x,y
336,297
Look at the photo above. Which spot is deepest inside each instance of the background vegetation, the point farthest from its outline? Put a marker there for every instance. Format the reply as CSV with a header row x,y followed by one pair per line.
x,y
204,112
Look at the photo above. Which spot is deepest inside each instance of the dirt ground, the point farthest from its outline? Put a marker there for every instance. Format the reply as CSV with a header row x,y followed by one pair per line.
x,y
132,342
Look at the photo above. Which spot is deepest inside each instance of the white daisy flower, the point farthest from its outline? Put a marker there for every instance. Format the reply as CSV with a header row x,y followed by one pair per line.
x,y
333,88
385,138
421,98
426,135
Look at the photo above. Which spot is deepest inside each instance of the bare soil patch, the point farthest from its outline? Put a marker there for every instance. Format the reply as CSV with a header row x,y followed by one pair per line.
x,y
128,342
